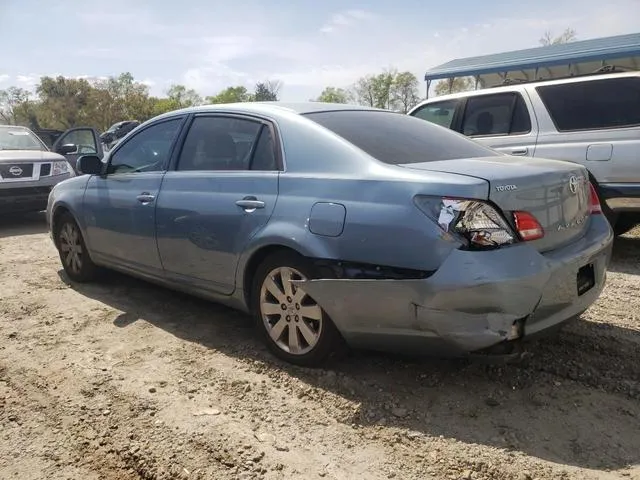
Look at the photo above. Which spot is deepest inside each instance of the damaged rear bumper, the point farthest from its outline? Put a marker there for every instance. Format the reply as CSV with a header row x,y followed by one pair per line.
x,y
474,301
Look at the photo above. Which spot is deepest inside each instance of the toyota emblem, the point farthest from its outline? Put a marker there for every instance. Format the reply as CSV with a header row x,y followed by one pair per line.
x,y
573,184
15,171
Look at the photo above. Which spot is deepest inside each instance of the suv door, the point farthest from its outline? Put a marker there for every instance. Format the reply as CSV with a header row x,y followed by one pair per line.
x,y
222,192
75,142
502,121
120,205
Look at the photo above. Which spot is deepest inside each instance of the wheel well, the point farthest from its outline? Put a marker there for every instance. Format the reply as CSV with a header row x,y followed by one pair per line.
x,y
252,265
57,215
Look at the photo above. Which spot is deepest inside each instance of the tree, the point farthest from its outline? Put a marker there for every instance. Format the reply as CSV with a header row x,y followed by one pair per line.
x,y
183,97
376,90
569,35
334,95
389,89
16,106
65,102
267,91
454,85
405,91
231,95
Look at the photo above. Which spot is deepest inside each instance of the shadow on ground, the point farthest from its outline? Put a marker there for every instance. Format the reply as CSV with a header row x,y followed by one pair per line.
x,y
626,254
25,224
576,402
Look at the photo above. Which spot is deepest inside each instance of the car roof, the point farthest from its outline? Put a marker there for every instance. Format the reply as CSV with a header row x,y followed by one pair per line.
x,y
274,108
521,86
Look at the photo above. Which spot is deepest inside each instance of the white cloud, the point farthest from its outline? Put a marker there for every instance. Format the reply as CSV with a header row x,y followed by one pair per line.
x,y
4,77
345,19
28,81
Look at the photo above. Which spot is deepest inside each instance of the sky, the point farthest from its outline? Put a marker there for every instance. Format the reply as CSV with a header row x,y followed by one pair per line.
x,y
307,45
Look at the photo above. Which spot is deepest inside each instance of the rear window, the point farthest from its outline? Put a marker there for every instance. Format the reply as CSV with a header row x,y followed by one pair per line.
x,y
593,105
398,139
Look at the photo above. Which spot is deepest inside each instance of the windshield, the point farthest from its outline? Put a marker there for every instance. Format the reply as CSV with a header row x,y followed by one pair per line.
x,y
18,138
399,139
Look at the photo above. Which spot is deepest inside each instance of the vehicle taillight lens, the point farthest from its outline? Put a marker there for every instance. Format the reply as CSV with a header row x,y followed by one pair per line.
x,y
594,202
476,223
528,226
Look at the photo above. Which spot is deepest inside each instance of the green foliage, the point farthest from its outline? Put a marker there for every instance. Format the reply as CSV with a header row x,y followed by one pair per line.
x,y
454,85
267,91
334,95
231,95
390,89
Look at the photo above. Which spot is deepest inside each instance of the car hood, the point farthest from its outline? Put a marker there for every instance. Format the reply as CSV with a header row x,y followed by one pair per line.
x,y
12,156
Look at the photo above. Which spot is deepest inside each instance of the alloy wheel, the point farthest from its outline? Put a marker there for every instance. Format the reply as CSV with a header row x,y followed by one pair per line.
x,y
293,320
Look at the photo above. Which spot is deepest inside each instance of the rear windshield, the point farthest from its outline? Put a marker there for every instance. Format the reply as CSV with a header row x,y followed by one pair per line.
x,y
399,139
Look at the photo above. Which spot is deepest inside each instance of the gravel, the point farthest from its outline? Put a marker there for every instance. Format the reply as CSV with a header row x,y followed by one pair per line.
x,y
76,402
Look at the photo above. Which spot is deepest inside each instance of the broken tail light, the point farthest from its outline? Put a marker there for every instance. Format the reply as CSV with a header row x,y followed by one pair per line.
x,y
476,223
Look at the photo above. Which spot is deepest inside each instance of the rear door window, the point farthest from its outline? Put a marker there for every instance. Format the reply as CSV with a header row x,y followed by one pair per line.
x,y
493,115
593,104
440,113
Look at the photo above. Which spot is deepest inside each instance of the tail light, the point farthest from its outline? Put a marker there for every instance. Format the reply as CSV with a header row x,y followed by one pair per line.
x,y
594,202
528,226
477,224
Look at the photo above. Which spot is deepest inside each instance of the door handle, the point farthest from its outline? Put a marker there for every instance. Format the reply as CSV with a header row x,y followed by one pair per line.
x,y
520,151
145,197
250,203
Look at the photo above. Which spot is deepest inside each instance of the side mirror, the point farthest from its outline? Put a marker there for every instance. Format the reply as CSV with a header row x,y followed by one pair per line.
x,y
89,165
67,148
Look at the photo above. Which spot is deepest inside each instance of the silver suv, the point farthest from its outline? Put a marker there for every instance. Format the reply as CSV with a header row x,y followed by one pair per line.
x,y
593,120
28,170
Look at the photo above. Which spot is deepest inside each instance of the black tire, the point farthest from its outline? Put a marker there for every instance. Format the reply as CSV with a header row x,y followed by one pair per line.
x,y
69,236
328,337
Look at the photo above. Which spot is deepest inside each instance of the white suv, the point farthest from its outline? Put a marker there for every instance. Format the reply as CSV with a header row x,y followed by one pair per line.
x,y
593,120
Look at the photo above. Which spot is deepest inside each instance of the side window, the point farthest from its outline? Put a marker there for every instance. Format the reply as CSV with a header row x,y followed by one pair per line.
x,y
440,113
148,151
594,104
83,139
500,114
227,143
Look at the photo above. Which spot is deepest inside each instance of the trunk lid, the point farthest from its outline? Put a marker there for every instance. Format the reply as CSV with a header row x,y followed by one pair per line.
x,y
555,192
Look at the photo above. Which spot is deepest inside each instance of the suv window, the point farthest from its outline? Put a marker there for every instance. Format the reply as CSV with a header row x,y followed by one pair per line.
x,y
227,143
440,113
499,114
594,104
147,151
83,139
397,138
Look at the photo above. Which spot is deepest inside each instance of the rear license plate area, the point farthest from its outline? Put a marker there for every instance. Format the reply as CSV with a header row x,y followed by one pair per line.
x,y
586,279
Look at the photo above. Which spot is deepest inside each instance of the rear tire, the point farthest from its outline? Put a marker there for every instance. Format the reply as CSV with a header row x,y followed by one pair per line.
x,y
73,252
294,327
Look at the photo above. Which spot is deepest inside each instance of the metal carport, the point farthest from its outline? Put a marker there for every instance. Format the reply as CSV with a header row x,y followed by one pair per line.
x,y
553,61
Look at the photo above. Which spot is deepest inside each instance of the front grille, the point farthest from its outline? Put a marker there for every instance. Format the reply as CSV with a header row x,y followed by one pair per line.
x,y
25,192
11,171
45,169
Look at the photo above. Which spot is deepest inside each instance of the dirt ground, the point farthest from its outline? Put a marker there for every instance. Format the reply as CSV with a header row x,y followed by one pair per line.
x,y
125,380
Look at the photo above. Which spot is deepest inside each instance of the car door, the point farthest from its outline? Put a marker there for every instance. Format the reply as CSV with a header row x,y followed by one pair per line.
x,y
503,121
221,192
75,142
120,205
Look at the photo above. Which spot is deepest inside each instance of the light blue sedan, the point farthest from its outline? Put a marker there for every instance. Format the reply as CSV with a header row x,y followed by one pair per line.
x,y
334,222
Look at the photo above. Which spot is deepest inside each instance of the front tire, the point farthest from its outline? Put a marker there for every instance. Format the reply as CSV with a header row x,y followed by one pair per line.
x,y
294,327
73,252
